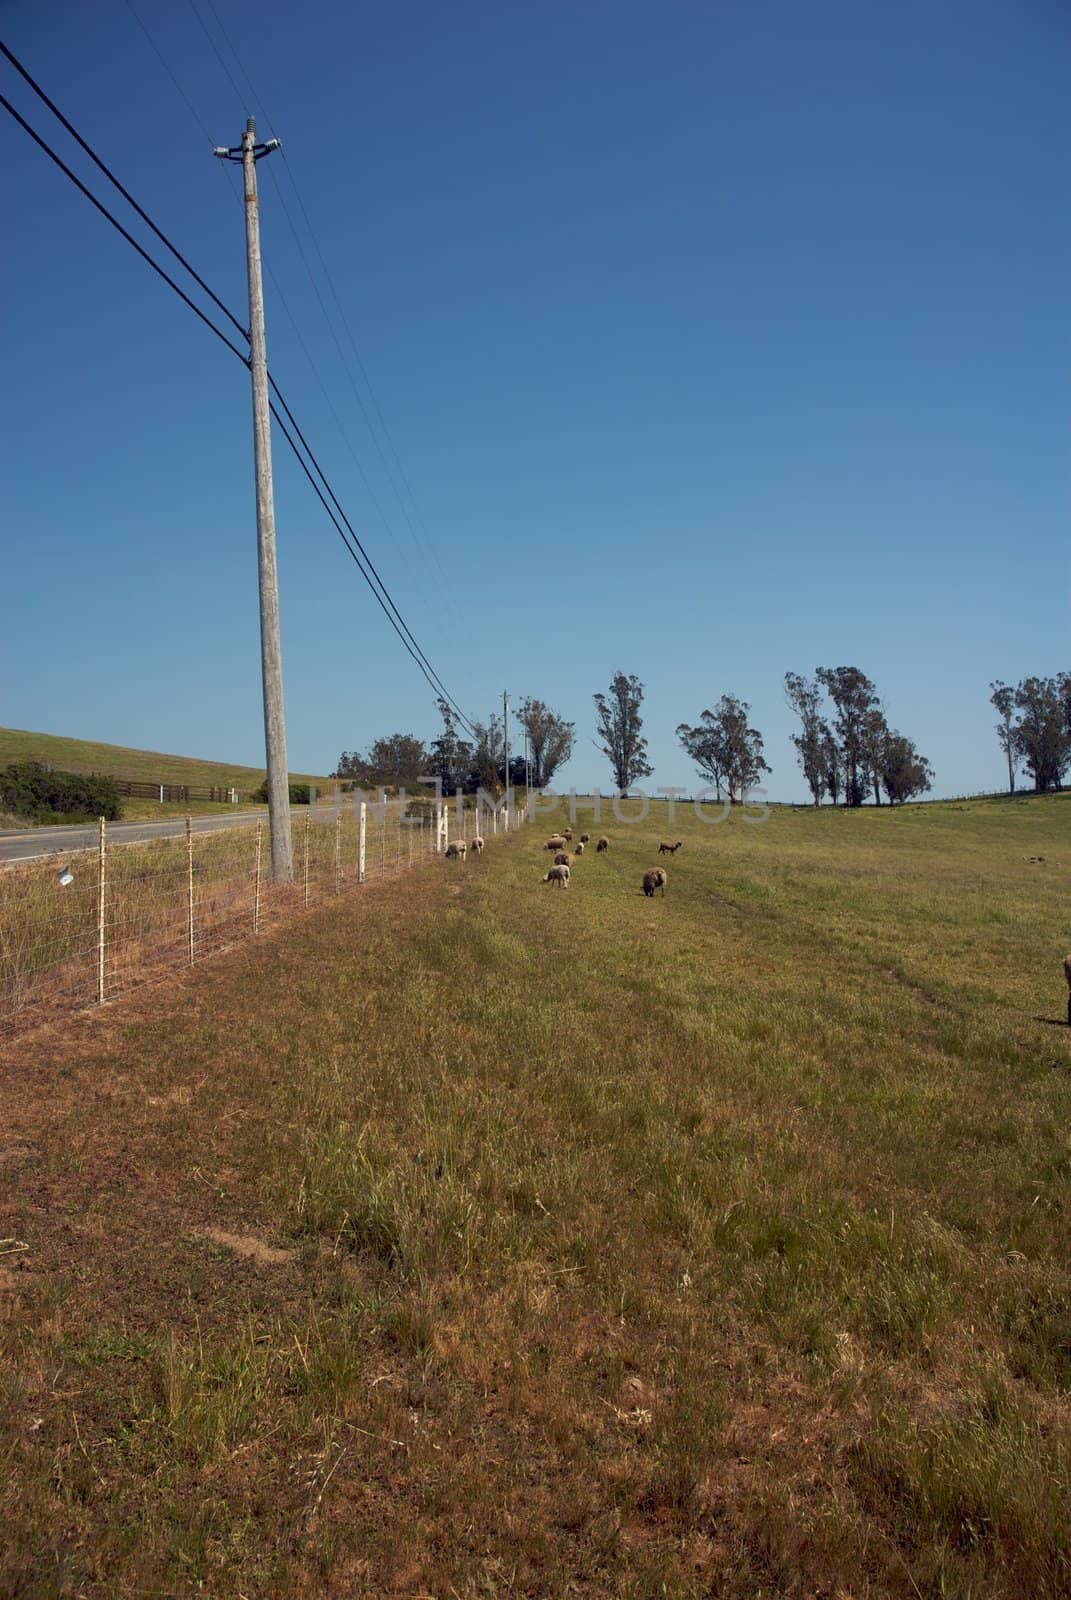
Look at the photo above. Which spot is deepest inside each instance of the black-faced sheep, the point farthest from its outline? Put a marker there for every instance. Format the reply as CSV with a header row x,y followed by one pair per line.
x,y
580,848
665,849
655,879
567,834
477,845
556,841
585,838
603,844
563,859
559,875
457,850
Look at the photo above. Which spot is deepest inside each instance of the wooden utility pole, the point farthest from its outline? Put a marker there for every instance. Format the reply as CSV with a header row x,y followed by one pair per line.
x,y
271,656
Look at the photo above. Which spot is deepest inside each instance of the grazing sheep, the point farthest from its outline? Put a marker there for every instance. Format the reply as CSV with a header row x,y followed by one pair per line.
x,y
477,845
585,838
665,849
457,850
580,848
563,859
603,844
559,875
655,879
556,842
1067,975
567,834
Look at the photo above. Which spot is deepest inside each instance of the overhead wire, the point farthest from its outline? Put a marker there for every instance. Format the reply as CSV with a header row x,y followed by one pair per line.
x,y
425,544
385,601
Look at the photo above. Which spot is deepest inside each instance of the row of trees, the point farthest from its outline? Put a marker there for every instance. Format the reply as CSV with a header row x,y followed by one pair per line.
x,y
845,746
466,762
847,751
1035,728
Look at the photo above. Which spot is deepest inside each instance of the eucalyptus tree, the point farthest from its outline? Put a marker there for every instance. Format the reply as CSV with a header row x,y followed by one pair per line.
x,y
618,723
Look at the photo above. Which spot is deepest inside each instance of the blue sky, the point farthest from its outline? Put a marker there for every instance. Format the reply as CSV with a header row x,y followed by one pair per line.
x,y
716,340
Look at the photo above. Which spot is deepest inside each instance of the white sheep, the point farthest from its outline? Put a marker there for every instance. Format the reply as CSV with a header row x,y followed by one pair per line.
x,y
580,848
457,850
477,845
558,874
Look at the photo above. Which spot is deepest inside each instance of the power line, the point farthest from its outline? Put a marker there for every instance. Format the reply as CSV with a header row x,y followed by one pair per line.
x,y
396,619
278,288
118,226
255,99
110,175
426,544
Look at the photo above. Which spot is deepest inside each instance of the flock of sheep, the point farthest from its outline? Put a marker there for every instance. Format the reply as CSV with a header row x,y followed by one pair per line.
x,y
654,880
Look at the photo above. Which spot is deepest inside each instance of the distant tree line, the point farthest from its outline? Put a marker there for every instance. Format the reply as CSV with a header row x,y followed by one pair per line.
x,y
845,747
466,763
1034,730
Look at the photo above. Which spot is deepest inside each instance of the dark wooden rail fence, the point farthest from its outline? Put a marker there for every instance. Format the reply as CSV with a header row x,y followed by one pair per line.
x,y
176,793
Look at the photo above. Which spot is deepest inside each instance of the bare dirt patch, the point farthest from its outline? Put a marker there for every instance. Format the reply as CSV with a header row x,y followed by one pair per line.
x,y
249,1246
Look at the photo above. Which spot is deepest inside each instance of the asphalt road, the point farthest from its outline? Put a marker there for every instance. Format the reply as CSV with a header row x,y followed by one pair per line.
x,y
36,843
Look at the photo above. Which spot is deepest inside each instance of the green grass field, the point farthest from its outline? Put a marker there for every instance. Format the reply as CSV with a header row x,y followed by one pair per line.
x,y
115,761
478,1239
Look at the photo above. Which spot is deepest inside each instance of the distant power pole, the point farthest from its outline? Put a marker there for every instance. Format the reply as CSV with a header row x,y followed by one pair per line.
x,y
505,736
271,655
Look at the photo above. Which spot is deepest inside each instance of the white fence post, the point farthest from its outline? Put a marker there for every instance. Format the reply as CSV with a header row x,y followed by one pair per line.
x,y
305,862
362,836
256,890
100,918
189,886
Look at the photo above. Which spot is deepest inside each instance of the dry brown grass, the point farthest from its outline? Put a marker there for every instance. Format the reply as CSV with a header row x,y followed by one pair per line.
x,y
470,1241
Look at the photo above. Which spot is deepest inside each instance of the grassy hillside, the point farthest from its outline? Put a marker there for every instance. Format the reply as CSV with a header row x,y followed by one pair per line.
x,y
116,761
479,1238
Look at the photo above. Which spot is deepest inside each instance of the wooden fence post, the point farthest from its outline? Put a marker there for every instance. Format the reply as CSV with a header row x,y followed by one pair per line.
x,y
189,886
100,918
256,891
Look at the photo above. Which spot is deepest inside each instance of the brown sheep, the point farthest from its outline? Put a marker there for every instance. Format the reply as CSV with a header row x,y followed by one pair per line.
x,y
603,844
555,842
558,874
567,835
456,851
1067,975
580,848
585,838
665,849
563,859
655,879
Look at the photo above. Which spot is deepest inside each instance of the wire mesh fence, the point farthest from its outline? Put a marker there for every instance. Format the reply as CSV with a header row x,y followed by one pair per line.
x,y
87,927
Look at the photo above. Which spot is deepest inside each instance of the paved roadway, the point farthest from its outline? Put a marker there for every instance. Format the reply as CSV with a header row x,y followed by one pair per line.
x,y
36,843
